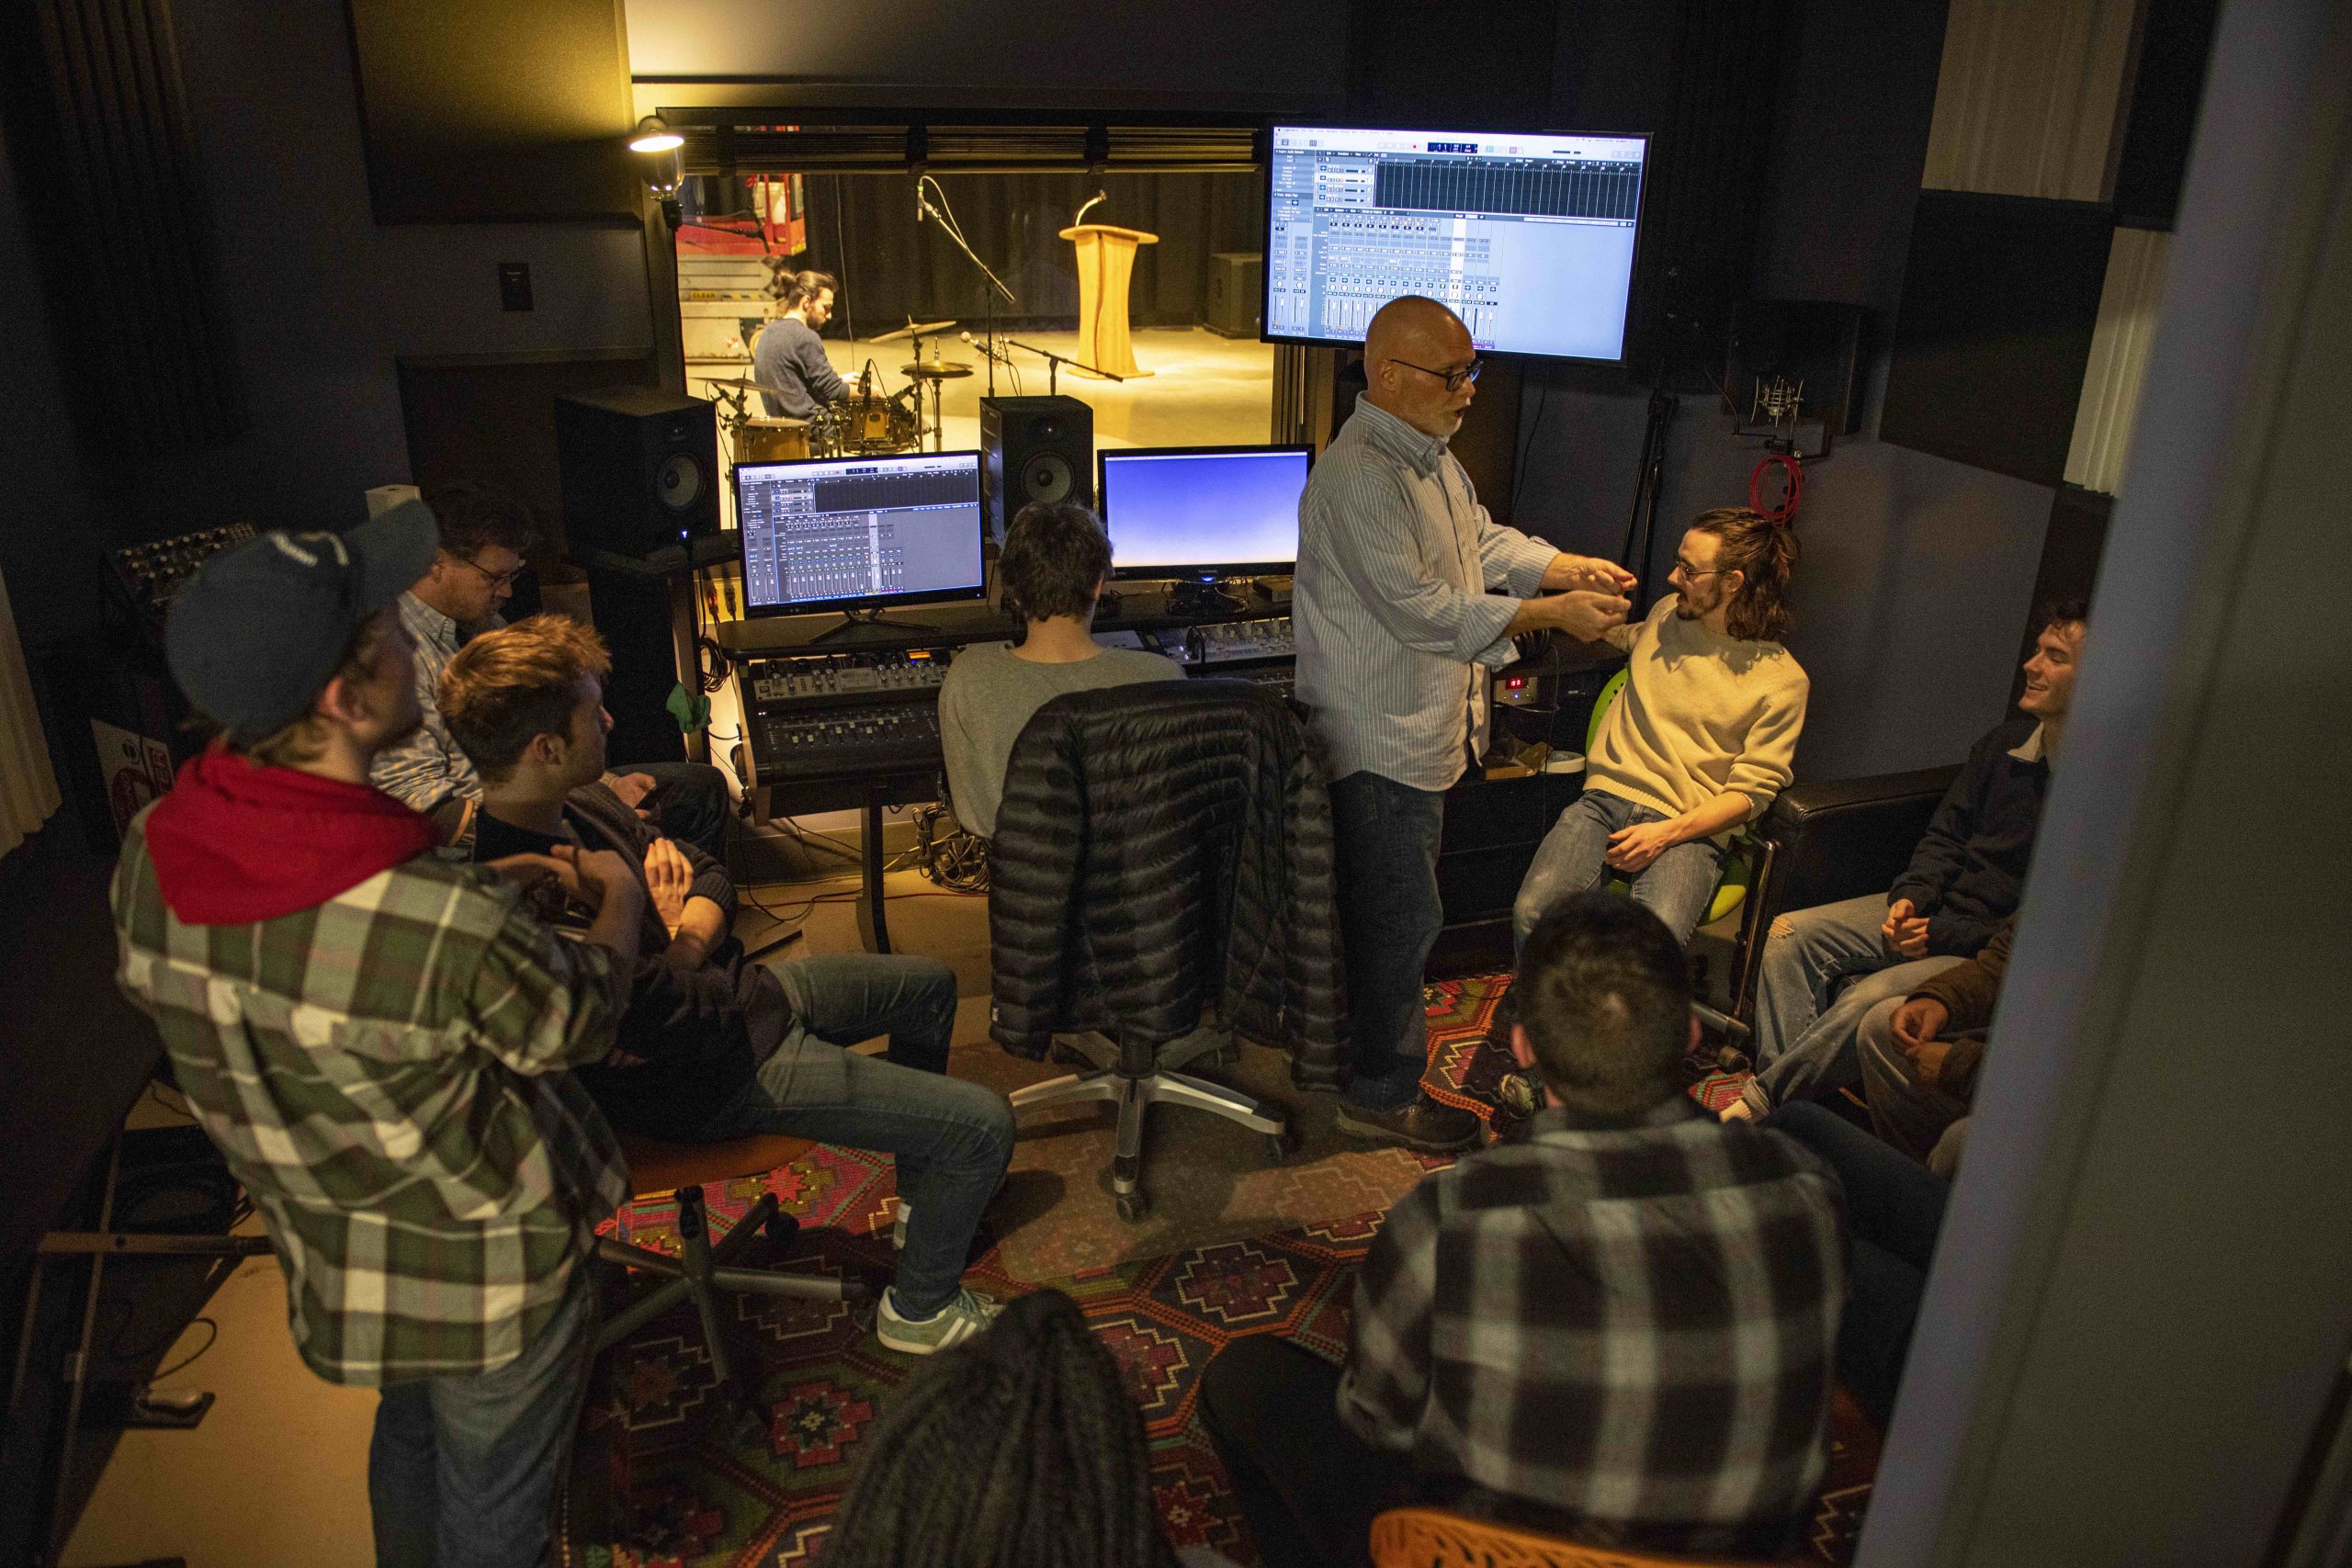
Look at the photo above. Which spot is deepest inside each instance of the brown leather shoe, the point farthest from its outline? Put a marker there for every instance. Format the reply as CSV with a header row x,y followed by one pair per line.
x,y
1424,1124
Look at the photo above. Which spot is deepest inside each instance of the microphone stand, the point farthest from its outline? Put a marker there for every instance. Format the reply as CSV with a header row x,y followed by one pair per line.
x,y
1054,362
996,284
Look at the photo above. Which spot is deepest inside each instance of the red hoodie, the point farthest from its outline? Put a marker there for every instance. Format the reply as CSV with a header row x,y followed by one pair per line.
x,y
236,841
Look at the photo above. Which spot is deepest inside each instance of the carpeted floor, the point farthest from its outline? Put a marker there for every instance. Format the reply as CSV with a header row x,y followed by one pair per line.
x,y
1236,1247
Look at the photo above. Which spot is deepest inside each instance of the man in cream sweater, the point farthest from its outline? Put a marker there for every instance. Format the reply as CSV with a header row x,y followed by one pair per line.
x,y
1700,738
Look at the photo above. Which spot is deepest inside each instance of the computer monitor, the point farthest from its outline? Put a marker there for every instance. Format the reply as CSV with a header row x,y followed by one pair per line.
x,y
1529,236
859,533
1202,511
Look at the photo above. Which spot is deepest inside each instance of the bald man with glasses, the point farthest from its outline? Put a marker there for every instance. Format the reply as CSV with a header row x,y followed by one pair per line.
x,y
1407,594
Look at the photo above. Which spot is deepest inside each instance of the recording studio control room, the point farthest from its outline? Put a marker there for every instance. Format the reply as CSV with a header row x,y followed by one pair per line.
x,y
1056,785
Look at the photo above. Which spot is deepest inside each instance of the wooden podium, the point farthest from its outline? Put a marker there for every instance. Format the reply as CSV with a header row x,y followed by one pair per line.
x,y
1106,256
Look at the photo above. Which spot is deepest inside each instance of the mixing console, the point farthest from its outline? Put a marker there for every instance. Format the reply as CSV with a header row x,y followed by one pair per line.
x,y
1224,642
866,739
808,677
148,576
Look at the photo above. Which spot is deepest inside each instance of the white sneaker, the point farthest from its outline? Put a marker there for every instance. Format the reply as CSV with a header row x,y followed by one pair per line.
x,y
966,1317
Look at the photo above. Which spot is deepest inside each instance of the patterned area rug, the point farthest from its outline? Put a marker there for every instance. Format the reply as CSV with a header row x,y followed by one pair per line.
x,y
704,1488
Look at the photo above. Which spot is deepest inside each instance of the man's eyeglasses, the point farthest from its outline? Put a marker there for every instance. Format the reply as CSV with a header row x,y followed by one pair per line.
x,y
496,579
1452,378
1687,570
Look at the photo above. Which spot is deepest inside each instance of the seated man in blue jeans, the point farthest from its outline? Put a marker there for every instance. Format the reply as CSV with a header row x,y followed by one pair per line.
x,y
1615,1324
1701,738
1965,879
712,1047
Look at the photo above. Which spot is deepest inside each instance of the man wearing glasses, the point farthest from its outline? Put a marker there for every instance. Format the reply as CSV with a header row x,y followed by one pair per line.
x,y
483,535
1406,589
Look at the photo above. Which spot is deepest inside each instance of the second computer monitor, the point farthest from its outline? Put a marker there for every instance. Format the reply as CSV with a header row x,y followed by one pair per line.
x,y
1202,511
839,533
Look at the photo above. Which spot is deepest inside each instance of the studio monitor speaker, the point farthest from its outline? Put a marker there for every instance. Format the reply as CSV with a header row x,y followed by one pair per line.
x,y
1038,449
1237,289
639,468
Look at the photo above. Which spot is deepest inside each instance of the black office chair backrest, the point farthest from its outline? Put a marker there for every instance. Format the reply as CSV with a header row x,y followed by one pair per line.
x,y
1118,869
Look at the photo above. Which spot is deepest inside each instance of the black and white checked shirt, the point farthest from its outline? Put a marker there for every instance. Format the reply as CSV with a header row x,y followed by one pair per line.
x,y
1395,604
1631,1324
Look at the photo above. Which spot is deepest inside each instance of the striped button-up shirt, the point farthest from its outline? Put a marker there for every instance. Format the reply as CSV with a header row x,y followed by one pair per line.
x,y
1397,607
1626,1328
388,1075
428,768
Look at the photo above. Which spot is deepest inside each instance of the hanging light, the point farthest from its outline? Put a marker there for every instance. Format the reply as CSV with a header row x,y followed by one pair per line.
x,y
660,163
654,135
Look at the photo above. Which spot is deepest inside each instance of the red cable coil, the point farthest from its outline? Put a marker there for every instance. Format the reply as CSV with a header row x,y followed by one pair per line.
x,y
1794,472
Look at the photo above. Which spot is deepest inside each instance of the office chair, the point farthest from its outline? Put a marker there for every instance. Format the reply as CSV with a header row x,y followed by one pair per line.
x,y
1438,1538
1137,998
701,1269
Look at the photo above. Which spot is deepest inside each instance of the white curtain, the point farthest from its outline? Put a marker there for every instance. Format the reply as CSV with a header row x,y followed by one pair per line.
x,y
27,783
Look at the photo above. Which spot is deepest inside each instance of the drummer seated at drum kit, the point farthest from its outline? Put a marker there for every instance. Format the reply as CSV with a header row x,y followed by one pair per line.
x,y
788,361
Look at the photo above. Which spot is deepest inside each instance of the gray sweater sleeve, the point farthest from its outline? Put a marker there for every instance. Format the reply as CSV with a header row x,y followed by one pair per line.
x,y
817,371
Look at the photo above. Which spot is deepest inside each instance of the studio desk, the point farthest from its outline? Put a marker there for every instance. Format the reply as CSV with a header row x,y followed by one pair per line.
x,y
850,721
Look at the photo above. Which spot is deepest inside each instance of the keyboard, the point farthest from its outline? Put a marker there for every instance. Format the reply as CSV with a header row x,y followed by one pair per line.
x,y
861,741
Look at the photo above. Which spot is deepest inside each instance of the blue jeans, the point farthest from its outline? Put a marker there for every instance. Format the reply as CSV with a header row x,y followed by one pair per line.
x,y
1806,952
691,801
1677,886
461,1469
951,1140
1893,1210
1825,1058
1386,838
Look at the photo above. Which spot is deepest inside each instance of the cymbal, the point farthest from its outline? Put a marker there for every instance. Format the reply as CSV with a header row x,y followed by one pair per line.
x,y
923,371
733,381
912,329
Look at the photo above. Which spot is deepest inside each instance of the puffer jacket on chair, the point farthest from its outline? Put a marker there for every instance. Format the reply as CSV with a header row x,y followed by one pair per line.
x,y
1162,847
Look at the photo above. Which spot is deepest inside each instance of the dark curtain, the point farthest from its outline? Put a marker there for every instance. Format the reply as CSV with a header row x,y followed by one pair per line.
x,y
861,229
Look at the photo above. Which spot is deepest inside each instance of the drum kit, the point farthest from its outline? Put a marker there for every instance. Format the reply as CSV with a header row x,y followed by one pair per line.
x,y
865,423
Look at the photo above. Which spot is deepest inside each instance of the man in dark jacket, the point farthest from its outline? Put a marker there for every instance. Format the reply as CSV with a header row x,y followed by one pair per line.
x,y
713,1047
1962,882
1921,1054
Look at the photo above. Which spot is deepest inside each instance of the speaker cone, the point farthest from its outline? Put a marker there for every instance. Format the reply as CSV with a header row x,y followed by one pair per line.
x,y
1047,478
681,481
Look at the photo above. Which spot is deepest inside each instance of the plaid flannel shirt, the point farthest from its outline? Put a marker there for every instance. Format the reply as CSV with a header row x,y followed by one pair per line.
x,y
429,767
387,1075
1632,1326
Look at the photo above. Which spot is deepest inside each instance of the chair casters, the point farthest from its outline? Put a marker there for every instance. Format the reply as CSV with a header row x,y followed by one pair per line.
x,y
1283,1144
1126,1188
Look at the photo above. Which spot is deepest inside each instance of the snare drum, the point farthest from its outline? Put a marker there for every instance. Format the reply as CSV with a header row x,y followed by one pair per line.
x,y
865,423
772,440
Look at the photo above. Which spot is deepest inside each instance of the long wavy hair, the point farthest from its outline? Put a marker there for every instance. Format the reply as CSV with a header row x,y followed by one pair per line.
x,y
1765,555
1022,1448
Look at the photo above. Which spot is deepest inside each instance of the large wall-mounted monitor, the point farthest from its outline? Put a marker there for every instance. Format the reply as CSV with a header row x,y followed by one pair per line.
x,y
844,532
1528,235
1202,512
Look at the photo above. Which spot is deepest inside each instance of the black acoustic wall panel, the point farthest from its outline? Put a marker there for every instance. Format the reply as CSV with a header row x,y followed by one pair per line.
x,y
94,117
2168,86
513,112
1998,302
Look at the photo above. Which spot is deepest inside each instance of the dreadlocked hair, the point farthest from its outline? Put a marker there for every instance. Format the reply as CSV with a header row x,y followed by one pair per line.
x,y
1765,555
1020,1450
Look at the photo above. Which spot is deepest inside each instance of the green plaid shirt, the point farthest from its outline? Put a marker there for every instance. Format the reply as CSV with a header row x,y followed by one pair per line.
x,y
388,1075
